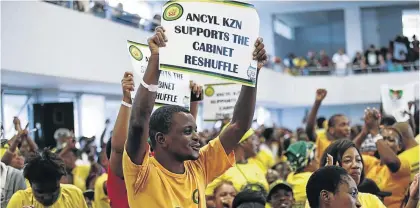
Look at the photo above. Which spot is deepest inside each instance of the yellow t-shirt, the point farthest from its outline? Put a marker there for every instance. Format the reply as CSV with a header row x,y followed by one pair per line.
x,y
417,139
240,175
80,175
298,182
321,143
396,183
412,155
101,199
366,200
70,197
151,185
264,159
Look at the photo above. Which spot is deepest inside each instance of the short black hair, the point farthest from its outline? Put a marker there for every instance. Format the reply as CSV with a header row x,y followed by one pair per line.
x,y
320,122
108,149
326,178
268,134
336,150
44,166
250,197
332,121
161,120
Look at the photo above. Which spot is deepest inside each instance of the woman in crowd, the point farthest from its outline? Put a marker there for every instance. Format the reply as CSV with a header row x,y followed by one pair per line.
x,y
345,154
303,162
223,195
44,171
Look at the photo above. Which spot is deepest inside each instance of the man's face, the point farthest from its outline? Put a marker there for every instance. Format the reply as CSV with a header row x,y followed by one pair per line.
x,y
251,146
346,195
341,129
182,139
391,138
46,193
282,198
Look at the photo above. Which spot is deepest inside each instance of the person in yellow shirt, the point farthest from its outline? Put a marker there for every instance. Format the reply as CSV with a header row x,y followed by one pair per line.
x,y
280,195
391,172
345,154
411,150
101,199
224,193
302,161
179,171
338,126
332,187
44,171
245,173
77,174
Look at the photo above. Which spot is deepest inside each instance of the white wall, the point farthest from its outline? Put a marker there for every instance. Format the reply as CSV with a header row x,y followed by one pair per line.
x,y
44,39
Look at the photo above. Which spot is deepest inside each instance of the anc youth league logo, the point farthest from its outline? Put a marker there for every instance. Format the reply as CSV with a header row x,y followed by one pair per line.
x,y
209,91
136,53
173,12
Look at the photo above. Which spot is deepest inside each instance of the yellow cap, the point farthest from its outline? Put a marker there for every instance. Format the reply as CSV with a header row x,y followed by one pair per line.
x,y
249,133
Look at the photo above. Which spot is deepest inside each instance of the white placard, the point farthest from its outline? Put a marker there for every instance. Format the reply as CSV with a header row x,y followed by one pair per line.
x,y
220,100
212,38
174,87
395,100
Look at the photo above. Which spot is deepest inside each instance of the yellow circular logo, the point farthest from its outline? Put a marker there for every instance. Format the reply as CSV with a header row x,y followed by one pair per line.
x,y
135,53
196,196
209,91
173,12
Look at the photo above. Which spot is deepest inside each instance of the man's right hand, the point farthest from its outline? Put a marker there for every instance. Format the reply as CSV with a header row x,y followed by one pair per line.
x,y
157,40
372,119
127,86
320,94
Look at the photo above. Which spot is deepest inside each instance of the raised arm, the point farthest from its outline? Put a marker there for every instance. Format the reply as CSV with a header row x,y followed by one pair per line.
x,y
120,132
138,130
245,106
102,143
388,157
311,122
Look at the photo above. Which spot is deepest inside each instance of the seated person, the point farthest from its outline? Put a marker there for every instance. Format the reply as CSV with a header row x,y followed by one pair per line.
x,y
44,171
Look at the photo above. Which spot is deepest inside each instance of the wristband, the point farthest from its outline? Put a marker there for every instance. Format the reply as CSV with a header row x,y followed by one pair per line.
x,y
151,88
128,105
377,138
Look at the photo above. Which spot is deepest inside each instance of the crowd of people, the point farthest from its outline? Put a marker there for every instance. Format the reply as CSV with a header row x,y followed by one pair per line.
x,y
102,9
396,57
156,158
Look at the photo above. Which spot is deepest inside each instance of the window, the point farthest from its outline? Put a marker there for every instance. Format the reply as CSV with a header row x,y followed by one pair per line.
x,y
281,29
14,105
410,22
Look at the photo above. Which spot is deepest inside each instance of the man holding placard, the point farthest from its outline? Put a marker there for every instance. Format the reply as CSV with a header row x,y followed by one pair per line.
x,y
179,172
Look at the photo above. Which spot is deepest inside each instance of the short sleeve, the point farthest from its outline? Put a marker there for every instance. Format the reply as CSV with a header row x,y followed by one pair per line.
x,y
136,175
214,160
405,168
